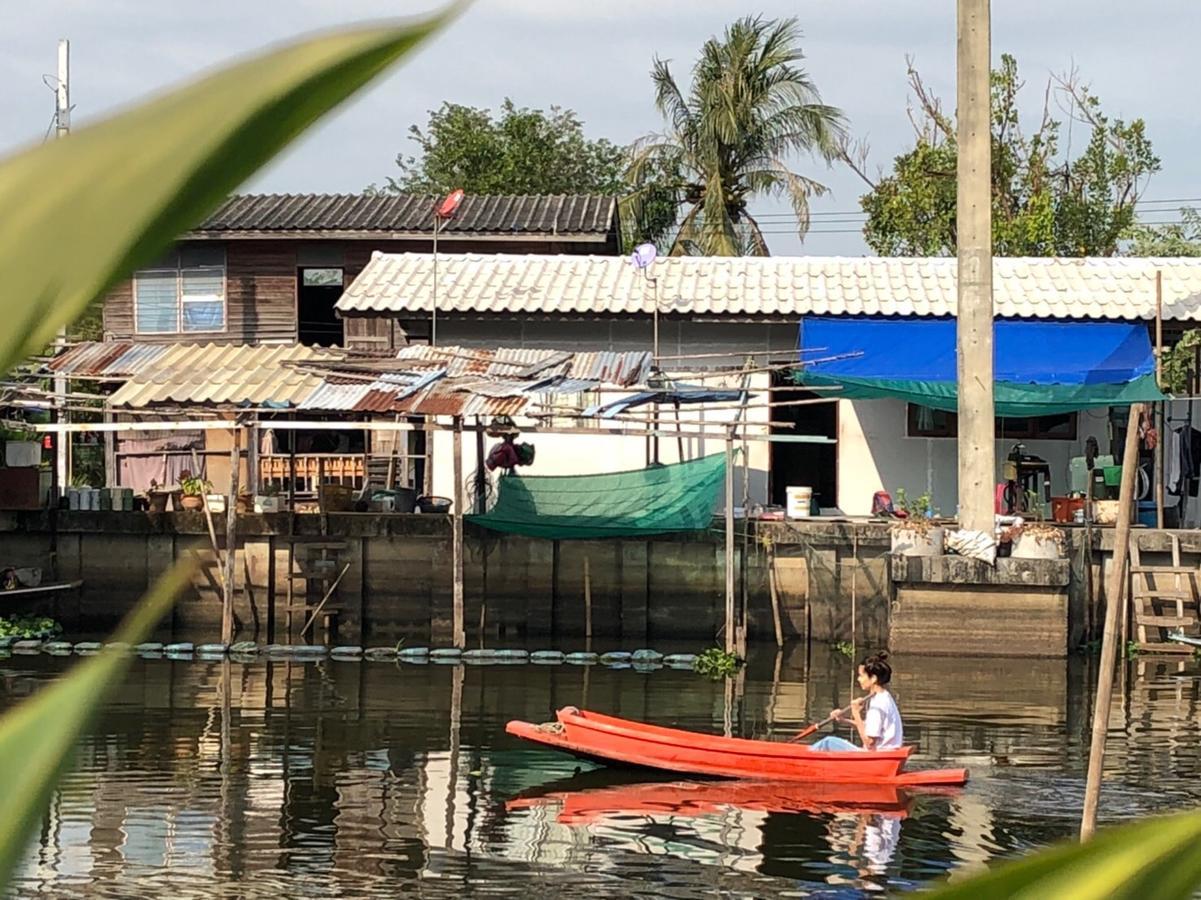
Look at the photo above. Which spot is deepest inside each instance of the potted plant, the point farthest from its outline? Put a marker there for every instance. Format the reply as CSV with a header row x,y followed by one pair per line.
x,y
1035,540
244,504
916,534
268,500
192,491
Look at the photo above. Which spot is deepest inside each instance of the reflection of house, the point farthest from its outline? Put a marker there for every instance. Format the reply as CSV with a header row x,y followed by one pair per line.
x,y
713,312
269,268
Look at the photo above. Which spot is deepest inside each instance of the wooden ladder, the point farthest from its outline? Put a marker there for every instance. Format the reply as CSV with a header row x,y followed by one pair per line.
x,y
1163,598
316,574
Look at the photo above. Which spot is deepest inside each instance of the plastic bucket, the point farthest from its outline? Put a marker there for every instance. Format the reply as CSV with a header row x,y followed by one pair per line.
x,y
1147,514
798,501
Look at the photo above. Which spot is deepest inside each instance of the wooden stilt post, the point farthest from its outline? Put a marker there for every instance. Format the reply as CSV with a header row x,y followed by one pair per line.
x,y
231,536
587,604
731,636
460,638
208,520
1114,605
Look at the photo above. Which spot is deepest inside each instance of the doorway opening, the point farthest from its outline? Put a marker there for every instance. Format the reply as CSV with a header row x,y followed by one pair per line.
x,y
796,459
316,293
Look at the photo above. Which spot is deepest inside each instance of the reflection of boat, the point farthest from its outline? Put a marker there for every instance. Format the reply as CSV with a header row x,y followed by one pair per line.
x,y
612,740
694,798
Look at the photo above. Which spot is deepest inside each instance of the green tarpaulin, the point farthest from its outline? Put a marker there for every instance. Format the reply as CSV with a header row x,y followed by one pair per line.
x,y
1012,400
655,500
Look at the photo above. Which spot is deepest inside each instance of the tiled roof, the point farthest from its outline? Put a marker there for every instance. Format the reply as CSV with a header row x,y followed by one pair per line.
x,y
1092,288
545,216
223,375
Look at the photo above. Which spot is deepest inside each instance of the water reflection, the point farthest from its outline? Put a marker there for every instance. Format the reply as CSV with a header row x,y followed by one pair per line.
x,y
272,779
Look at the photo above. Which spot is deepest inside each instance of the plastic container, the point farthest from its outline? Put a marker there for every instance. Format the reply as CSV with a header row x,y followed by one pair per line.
x,y
22,454
1113,476
798,501
1146,513
1063,509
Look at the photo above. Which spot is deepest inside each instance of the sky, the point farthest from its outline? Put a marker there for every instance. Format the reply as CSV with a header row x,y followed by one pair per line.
x,y
594,57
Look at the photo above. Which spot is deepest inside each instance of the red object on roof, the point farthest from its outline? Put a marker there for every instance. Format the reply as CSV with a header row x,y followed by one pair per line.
x,y
450,204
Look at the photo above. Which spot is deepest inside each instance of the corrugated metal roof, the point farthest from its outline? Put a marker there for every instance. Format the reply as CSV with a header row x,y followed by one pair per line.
x,y
1092,288
115,359
535,216
224,375
610,367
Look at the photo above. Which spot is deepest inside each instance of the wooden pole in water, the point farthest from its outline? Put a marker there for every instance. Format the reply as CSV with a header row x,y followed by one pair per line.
x,y
1160,456
587,604
460,637
731,637
1114,602
231,537
208,519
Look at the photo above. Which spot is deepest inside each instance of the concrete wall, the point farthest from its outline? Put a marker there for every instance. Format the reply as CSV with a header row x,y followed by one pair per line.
x,y
399,580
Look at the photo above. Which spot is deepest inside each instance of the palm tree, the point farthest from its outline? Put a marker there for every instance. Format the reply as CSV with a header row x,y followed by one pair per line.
x,y
749,107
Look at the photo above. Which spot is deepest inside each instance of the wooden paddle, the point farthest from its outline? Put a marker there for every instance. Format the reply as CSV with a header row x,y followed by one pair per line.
x,y
808,730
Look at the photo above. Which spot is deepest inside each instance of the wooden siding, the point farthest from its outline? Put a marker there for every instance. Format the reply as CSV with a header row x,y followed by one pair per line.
x,y
260,287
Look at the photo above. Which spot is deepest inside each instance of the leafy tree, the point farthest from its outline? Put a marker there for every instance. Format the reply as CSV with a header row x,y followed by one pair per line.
x,y
1181,238
749,107
520,151
1048,199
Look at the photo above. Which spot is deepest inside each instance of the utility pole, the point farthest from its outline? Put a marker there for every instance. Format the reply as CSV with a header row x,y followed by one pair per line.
x,y
974,323
62,126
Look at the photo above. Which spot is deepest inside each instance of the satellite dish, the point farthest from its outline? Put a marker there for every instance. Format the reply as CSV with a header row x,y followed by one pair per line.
x,y
450,204
644,255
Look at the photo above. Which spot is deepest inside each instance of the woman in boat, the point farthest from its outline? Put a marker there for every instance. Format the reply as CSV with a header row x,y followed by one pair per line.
x,y
880,726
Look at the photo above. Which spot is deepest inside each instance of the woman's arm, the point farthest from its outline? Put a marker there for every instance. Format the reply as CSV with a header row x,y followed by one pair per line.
x,y
869,742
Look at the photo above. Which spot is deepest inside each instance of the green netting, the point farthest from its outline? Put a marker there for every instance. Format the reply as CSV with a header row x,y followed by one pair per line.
x,y
656,500
1012,400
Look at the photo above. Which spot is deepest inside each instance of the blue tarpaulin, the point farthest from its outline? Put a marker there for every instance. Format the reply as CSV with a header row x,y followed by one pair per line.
x,y
1040,367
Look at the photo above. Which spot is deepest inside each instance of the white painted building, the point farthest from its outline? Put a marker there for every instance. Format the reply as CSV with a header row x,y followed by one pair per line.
x,y
739,306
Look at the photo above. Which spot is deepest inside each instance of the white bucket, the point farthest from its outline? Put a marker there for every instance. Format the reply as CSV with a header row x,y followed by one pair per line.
x,y
798,501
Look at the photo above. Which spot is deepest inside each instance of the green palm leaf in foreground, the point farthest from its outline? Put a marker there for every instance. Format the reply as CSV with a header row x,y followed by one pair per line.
x,y
1151,858
37,738
81,213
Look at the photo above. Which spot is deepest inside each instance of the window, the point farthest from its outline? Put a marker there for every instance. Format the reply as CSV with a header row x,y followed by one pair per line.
x,y
936,423
183,292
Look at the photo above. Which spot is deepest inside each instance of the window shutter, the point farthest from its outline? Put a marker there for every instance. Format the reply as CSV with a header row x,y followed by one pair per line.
x,y
156,302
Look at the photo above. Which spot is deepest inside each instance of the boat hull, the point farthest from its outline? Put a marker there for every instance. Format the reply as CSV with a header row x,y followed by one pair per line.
x,y
610,740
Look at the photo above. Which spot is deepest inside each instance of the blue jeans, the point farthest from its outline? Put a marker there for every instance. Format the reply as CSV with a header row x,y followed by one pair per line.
x,y
833,743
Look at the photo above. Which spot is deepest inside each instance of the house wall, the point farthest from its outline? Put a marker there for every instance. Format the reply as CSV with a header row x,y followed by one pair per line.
x,y
261,276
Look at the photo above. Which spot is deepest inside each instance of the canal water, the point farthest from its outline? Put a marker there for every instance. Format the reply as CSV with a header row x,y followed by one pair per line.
x,y
370,779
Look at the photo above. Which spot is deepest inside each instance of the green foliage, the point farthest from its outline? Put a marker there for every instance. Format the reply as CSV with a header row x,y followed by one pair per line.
x,y
749,107
1181,238
1132,650
115,194
716,663
195,487
1179,361
519,151
29,627
1151,858
846,648
918,507
1049,199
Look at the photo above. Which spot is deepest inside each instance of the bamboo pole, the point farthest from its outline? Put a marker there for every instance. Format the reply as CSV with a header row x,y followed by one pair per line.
x,y
208,519
731,641
1114,602
231,537
775,597
329,593
1161,417
460,638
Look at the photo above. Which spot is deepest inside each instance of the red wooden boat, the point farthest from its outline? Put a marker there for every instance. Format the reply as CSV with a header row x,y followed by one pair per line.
x,y
696,798
609,739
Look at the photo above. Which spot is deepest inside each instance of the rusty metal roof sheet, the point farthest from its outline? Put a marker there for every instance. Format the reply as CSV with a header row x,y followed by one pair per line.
x,y
107,359
510,284
225,375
